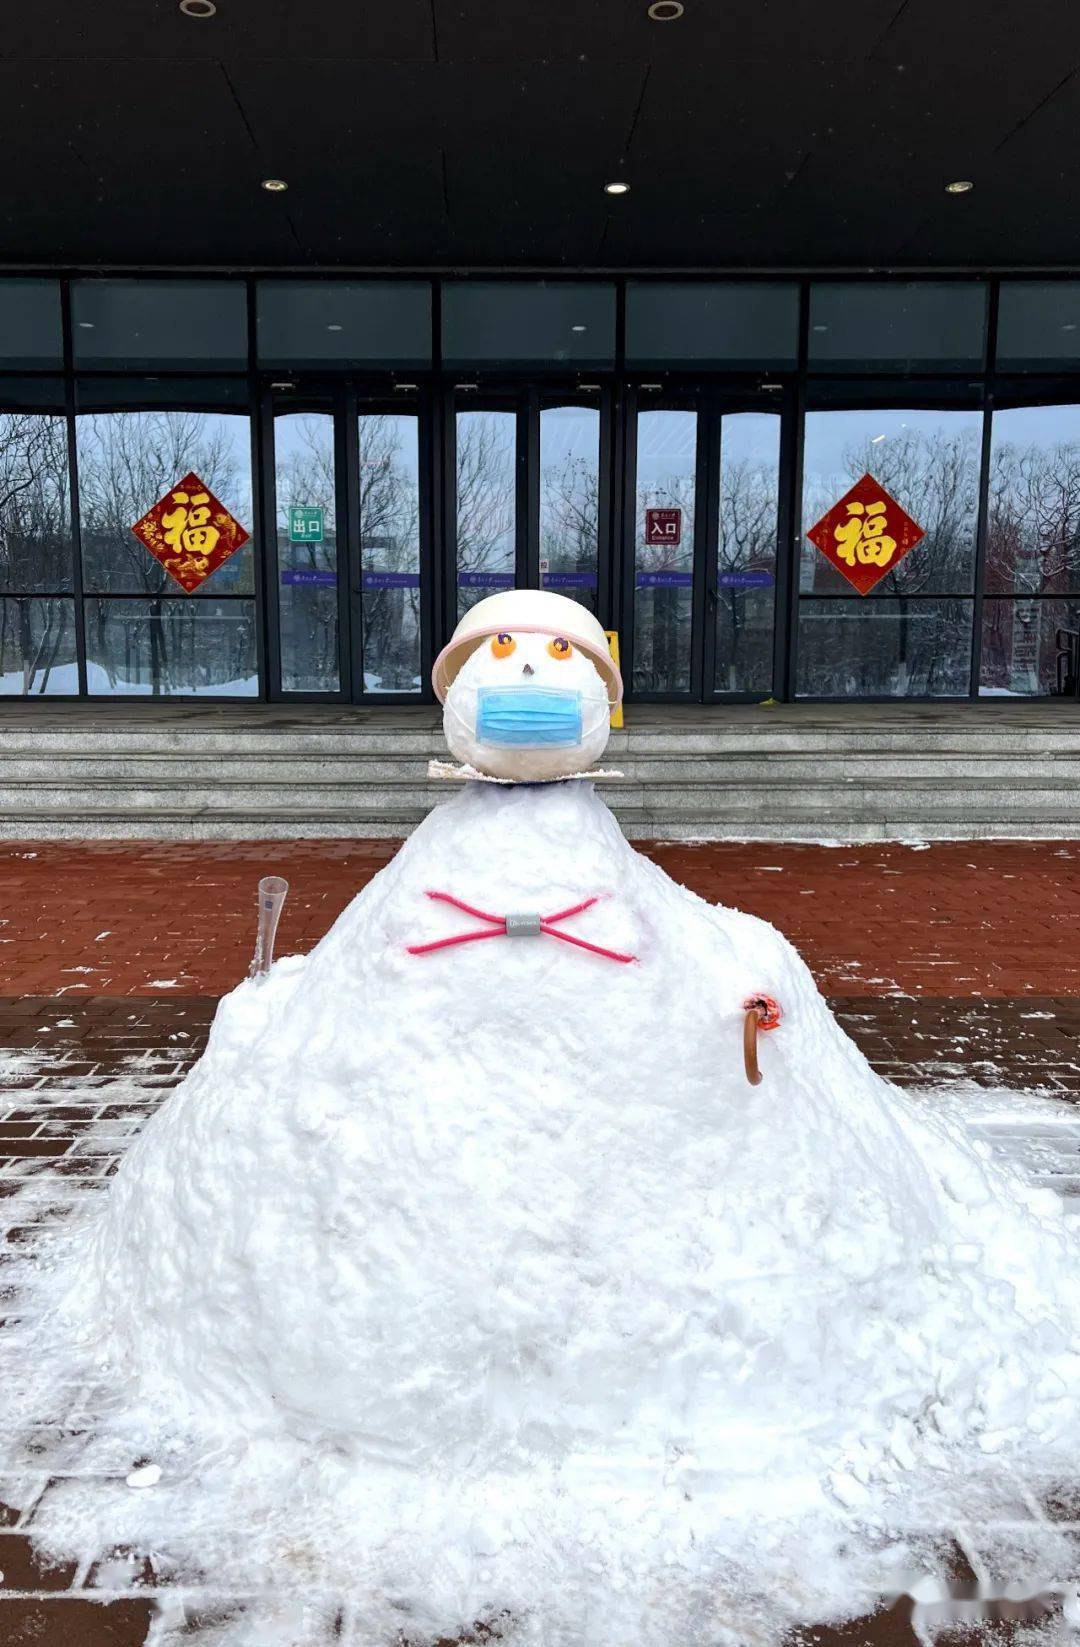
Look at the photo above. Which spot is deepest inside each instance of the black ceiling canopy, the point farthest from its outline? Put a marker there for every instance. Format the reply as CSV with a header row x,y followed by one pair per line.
x,y
466,133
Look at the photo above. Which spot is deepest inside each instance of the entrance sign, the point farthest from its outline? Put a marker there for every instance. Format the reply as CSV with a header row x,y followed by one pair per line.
x,y
305,523
865,534
190,533
663,527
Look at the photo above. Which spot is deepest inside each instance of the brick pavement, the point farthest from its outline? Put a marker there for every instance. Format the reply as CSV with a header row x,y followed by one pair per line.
x,y
953,962
989,919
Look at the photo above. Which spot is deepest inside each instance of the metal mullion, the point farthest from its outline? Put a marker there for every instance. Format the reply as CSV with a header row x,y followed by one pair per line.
x,y
706,547
788,681
448,398
876,598
167,593
337,401
264,527
606,513
784,595
982,519
527,504
74,512
628,546
428,496
351,562
264,519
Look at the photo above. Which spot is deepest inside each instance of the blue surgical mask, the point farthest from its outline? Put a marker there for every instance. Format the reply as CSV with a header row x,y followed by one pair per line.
x,y
528,717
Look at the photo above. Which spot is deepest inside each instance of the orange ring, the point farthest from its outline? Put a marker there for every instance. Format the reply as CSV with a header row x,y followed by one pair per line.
x,y
768,1010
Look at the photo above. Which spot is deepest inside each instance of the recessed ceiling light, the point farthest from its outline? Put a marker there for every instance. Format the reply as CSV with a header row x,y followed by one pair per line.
x,y
819,328
666,11
961,186
274,185
1069,326
616,188
334,327
86,325
577,328
198,8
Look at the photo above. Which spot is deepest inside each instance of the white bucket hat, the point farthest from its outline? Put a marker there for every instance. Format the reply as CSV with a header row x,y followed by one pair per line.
x,y
527,611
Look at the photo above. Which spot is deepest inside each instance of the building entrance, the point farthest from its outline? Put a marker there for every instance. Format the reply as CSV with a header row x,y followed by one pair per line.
x,y
291,489
704,512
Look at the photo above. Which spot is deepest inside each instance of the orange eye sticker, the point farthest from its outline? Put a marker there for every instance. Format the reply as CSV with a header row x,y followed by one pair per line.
x,y
503,645
560,648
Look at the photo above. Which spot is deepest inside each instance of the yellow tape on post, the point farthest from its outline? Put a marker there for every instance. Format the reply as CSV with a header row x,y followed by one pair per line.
x,y
613,648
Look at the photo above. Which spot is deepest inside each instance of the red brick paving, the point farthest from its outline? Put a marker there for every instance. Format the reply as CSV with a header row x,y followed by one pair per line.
x,y
992,918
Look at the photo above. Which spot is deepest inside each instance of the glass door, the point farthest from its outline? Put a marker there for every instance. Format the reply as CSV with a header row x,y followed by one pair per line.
x,y
347,490
529,498
703,508
742,582
666,639
308,585
569,498
486,503
387,614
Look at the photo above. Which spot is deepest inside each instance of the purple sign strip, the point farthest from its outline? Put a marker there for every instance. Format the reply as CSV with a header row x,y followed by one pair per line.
x,y
307,576
745,580
485,580
664,580
391,580
568,580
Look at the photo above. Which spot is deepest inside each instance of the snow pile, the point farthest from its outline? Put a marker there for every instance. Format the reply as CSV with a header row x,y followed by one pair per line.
x,y
481,1285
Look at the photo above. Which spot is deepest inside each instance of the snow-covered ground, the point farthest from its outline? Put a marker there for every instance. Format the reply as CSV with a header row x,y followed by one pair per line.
x,y
476,1284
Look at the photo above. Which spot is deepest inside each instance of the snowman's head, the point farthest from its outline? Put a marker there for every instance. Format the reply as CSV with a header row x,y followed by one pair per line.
x,y
528,686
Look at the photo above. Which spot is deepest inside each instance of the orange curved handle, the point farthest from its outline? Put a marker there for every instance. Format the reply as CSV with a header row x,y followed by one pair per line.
x,y
749,1047
762,1013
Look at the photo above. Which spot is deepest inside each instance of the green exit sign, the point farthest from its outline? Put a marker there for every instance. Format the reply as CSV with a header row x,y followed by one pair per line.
x,y
305,523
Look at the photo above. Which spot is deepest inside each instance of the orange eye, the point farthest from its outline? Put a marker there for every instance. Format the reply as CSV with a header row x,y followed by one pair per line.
x,y
503,645
560,648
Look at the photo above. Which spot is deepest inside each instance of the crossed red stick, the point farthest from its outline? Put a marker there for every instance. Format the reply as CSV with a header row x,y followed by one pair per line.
x,y
496,928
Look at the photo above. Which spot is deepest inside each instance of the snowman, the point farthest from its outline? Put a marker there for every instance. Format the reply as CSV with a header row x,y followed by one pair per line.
x,y
471,1244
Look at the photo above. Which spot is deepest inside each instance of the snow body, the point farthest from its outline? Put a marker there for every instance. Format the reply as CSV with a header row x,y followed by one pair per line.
x,y
560,1317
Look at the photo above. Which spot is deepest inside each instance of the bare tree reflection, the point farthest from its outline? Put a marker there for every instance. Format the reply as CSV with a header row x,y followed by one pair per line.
x,y
911,646
37,631
127,461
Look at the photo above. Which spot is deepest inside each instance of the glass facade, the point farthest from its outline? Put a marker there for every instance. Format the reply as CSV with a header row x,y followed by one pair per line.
x,y
291,488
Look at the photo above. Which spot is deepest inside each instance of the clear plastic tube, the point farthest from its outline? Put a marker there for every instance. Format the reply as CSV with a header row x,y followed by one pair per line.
x,y
272,893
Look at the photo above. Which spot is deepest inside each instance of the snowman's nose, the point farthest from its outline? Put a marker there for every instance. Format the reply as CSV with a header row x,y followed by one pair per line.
x,y
528,670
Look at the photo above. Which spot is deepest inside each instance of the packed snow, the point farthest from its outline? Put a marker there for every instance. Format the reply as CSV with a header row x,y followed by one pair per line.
x,y
480,1285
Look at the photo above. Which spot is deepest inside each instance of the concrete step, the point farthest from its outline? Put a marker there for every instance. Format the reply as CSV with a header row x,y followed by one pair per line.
x,y
743,778
180,826
272,766
746,739
317,796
